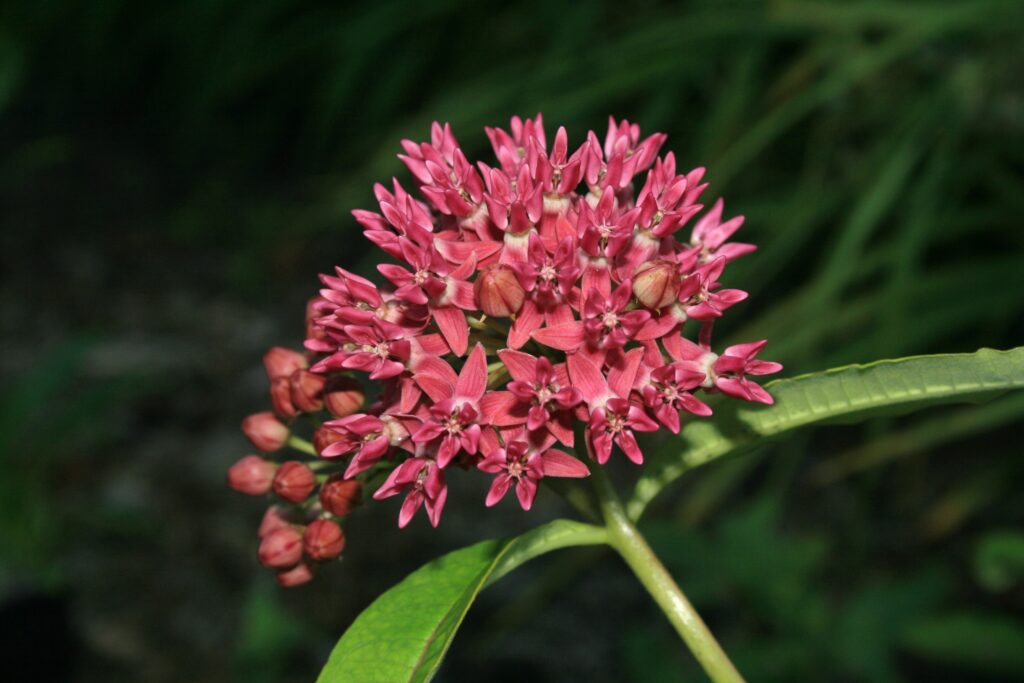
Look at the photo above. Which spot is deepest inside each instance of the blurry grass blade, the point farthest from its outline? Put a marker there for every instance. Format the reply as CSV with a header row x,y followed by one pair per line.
x,y
999,560
919,438
847,394
986,642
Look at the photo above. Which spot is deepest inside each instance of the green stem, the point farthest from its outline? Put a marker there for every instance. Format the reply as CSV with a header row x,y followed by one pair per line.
x,y
300,444
627,540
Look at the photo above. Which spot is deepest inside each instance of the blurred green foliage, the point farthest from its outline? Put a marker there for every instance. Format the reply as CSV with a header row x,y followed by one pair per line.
x,y
158,157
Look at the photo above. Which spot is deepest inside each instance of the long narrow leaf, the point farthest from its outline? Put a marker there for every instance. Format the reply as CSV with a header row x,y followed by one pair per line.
x,y
847,394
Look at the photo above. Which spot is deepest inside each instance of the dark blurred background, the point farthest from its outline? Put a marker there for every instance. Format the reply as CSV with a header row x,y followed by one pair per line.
x,y
174,175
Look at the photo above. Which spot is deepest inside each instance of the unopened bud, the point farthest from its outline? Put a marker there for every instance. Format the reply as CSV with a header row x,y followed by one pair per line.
x,y
294,481
273,519
281,548
656,283
498,291
314,331
251,475
282,362
343,396
265,431
281,397
296,576
324,437
339,495
323,540
306,387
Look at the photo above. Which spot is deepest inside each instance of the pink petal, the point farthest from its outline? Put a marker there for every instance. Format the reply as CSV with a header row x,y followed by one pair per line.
x,y
452,323
435,377
559,464
459,252
526,491
560,427
682,349
410,505
500,408
527,321
747,350
563,337
462,295
521,366
587,378
435,506
499,487
622,375
472,381
627,442
433,344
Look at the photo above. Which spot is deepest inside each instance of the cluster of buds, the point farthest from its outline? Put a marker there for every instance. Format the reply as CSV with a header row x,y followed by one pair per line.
x,y
524,302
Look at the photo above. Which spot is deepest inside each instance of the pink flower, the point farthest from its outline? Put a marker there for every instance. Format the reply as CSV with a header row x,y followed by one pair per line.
x,y
545,393
454,419
369,436
422,480
523,464
735,363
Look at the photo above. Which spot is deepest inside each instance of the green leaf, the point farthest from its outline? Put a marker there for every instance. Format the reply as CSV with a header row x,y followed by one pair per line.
x,y
847,394
404,634
985,642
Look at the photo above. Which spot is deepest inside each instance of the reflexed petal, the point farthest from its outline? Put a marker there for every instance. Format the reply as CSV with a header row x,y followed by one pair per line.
x,y
559,464
499,487
472,380
587,378
452,323
526,491
566,337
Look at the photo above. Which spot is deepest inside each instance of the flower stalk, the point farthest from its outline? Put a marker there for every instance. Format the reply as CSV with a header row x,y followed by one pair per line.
x,y
629,543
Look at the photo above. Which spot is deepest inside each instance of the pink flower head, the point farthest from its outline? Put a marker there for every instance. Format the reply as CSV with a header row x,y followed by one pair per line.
x,y
546,290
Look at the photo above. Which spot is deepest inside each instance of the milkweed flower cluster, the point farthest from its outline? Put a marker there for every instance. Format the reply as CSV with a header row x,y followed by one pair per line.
x,y
521,301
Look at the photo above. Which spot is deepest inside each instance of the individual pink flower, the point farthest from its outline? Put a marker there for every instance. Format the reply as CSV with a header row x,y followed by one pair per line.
x,y
455,420
368,435
522,464
613,419
422,480
733,366
543,395
710,236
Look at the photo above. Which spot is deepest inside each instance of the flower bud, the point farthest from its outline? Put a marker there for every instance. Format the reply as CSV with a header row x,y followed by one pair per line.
x,y
339,495
324,437
294,481
343,396
306,387
296,576
281,397
656,283
265,431
251,475
314,331
498,291
323,540
273,519
281,548
282,362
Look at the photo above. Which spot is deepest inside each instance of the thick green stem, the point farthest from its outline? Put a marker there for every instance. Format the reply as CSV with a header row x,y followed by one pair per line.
x,y
627,540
